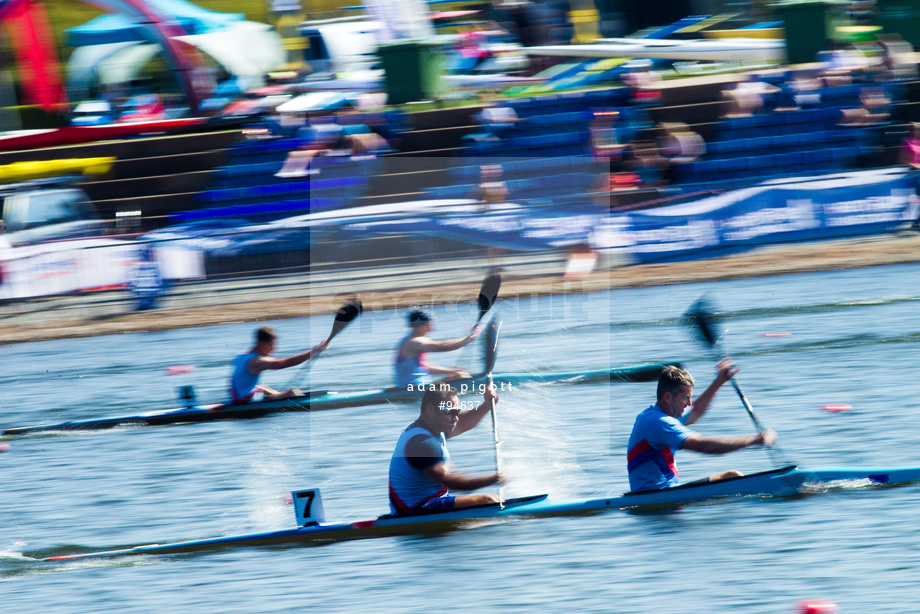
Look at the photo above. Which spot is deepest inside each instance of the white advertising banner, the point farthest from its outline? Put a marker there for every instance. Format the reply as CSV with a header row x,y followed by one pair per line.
x,y
62,267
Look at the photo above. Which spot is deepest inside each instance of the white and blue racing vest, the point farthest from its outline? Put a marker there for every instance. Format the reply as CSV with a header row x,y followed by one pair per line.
x,y
410,488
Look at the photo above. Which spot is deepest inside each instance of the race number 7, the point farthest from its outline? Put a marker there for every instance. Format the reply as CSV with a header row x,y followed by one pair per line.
x,y
308,507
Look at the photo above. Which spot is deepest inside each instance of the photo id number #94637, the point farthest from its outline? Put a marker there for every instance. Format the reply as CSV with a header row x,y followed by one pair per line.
x,y
462,405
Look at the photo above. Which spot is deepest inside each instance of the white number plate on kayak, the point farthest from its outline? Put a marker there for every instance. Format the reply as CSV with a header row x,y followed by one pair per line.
x,y
308,507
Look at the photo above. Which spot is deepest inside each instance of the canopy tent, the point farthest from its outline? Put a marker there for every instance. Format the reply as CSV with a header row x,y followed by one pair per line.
x,y
120,62
118,27
108,63
113,48
160,27
246,49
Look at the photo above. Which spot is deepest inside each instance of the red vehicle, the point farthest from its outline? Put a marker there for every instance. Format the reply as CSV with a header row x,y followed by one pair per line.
x,y
259,100
143,108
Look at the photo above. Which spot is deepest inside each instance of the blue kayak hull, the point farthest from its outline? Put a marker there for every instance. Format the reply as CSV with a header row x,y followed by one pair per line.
x,y
323,400
784,482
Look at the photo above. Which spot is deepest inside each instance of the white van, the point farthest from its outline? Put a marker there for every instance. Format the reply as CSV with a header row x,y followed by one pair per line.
x,y
31,216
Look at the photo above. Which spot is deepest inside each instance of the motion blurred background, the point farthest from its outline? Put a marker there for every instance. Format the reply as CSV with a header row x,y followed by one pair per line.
x,y
150,147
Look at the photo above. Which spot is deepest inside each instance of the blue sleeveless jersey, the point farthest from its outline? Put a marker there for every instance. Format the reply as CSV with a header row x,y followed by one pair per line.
x,y
242,382
409,371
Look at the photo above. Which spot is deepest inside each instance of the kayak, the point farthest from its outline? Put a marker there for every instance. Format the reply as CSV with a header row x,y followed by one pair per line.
x,y
784,482
317,400
25,171
76,135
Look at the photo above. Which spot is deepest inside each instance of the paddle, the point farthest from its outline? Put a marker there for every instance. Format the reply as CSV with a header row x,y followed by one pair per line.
x,y
700,316
491,354
488,292
344,316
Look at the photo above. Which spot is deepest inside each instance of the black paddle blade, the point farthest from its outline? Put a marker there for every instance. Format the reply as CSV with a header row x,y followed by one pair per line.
x,y
491,340
488,293
700,317
345,314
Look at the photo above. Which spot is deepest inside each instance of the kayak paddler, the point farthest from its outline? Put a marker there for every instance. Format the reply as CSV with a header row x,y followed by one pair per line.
x,y
413,371
661,430
421,477
247,367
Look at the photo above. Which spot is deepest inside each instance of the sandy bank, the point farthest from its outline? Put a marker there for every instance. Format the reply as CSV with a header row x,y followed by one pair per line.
x,y
873,251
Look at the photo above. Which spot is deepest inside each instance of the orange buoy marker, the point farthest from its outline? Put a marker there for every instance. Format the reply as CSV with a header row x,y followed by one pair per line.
x,y
818,607
180,369
5,447
776,334
837,407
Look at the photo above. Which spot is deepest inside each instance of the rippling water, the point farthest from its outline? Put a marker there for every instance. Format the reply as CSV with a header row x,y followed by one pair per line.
x,y
852,338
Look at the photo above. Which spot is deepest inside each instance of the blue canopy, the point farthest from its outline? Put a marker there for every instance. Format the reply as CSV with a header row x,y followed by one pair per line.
x,y
119,28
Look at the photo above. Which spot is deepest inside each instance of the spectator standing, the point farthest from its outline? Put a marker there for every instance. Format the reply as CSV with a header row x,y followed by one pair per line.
x,y
910,156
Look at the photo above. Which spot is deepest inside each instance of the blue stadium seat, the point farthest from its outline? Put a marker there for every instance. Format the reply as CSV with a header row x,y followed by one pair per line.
x,y
733,167
790,159
755,145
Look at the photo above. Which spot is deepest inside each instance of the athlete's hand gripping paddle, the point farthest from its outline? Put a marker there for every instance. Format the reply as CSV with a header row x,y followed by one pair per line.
x,y
700,317
344,316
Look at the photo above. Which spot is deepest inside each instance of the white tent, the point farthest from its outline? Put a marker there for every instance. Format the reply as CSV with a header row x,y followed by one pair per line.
x,y
246,49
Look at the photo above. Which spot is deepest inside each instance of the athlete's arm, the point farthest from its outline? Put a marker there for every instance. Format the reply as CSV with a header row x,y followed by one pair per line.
x,y
264,363
719,445
420,346
440,473
471,417
437,370
727,370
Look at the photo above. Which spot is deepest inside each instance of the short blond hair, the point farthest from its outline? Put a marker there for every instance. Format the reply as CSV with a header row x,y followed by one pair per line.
x,y
672,379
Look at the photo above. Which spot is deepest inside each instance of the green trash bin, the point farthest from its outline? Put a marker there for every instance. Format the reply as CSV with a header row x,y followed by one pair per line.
x,y
809,26
412,70
900,17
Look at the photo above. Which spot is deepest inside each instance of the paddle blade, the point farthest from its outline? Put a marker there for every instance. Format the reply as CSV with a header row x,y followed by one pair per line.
x,y
345,314
491,340
700,317
488,293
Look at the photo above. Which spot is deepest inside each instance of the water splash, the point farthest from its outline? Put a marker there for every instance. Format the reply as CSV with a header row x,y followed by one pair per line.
x,y
265,483
15,552
820,487
537,451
